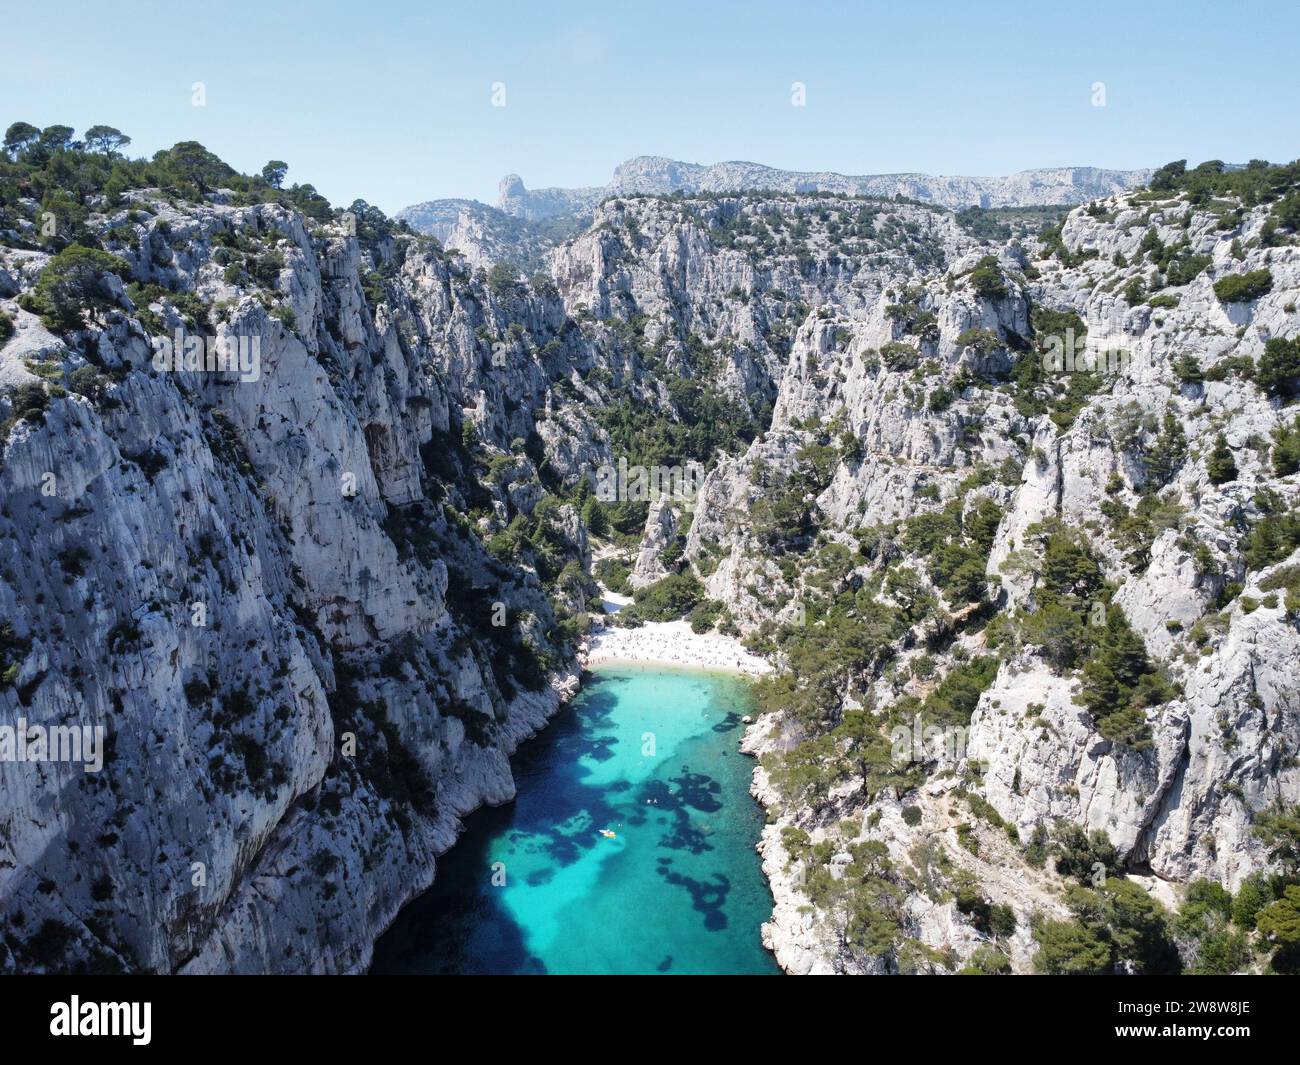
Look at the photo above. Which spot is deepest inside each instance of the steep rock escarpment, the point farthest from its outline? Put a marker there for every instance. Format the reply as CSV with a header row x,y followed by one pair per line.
x,y
1012,512
262,587
1105,395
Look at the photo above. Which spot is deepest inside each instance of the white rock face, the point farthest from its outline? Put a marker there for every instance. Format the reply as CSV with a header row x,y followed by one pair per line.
x,y
1182,809
660,531
212,570
483,235
1222,751
653,174
1045,760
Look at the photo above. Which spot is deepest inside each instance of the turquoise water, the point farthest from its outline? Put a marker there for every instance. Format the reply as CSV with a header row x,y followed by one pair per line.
x,y
533,887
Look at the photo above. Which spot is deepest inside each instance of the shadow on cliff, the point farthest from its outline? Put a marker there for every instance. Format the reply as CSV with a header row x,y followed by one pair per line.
x,y
460,925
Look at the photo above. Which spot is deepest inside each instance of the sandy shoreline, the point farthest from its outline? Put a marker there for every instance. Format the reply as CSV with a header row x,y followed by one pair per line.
x,y
669,643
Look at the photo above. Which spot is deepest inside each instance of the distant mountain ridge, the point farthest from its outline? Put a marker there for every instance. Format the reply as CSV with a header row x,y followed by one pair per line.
x,y
1052,185
485,233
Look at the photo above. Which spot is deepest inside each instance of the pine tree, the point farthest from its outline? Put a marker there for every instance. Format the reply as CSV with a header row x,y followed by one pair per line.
x,y
1279,368
1168,451
1221,466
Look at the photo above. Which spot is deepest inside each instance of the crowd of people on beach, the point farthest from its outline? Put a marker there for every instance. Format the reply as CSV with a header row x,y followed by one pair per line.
x,y
670,643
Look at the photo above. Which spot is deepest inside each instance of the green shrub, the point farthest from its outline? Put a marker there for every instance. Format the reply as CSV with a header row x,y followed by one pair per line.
x,y
986,279
502,279
87,381
1242,288
595,518
73,282
986,960
1253,895
1279,924
1182,269
1081,854
1060,634
613,574
1188,370
986,917
1119,680
1220,465
1242,366
1131,923
899,356
954,700
1279,829
985,341
1257,182
1275,535
666,600
30,402
1168,451
705,615
1279,368
1067,948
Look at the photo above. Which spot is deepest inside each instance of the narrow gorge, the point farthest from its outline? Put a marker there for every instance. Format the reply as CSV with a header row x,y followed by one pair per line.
x,y
1004,499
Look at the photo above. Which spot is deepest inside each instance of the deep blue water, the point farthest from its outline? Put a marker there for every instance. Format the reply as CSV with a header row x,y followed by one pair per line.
x,y
533,887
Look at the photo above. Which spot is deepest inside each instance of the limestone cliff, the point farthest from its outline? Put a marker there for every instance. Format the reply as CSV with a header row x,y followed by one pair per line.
x,y
1013,512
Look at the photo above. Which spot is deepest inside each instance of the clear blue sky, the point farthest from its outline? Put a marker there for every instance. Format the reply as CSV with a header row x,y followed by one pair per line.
x,y
391,101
